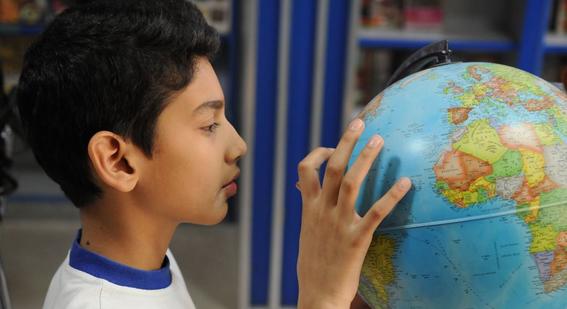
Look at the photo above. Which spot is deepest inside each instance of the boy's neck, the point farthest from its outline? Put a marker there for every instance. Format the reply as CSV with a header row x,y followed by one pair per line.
x,y
125,235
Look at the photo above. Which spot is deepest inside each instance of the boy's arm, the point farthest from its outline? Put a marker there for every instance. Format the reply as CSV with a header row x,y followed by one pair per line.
x,y
334,239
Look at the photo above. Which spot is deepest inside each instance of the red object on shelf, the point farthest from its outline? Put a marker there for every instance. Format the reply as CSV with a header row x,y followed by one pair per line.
x,y
423,17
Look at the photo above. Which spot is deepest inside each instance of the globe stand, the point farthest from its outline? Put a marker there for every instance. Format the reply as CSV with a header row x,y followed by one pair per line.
x,y
434,54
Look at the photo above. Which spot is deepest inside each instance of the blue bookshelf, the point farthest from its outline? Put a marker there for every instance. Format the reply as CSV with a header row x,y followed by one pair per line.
x,y
12,30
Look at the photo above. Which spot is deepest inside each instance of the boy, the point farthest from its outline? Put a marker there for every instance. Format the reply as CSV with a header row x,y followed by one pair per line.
x,y
123,110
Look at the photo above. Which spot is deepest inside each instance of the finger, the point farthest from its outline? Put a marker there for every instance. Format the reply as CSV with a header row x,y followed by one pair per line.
x,y
308,171
337,163
384,206
353,179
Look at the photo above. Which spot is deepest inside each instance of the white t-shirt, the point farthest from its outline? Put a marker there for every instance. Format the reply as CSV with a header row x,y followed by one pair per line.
x,y
87,280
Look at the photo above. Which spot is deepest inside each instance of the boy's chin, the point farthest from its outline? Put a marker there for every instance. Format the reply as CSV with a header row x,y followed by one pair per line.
x,y
214,217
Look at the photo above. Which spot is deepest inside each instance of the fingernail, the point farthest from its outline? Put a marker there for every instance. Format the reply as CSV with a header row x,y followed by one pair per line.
x,y
375,141
356,124
404,183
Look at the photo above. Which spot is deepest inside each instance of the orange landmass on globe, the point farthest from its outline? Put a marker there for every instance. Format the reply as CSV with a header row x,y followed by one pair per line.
x,y
503,90
534,105
530,195
524,195
521,135
474,71
459,170
458,115
545,185
559,262
453,87
527,193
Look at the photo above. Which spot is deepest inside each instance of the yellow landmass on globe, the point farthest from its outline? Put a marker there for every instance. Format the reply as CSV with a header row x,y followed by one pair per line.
x,y
469,198
532,216
468,99
533,166
474,95
487,186
543,237
480,90
378,267
479,191
455,197
482,141
529,212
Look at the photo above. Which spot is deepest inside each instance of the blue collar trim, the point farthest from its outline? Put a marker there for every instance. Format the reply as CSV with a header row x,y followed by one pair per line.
x,y
103,268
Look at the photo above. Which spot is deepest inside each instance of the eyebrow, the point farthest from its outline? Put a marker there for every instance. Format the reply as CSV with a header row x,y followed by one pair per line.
x,y
214,104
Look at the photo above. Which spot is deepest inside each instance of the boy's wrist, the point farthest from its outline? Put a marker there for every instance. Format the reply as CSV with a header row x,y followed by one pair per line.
x,y
318,302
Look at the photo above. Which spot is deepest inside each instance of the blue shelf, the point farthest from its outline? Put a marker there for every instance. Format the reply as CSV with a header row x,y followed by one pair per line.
x,y
20,30
401,39
555,44
38,198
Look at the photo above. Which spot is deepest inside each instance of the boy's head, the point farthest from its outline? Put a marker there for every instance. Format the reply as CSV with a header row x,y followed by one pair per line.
x,y
119,97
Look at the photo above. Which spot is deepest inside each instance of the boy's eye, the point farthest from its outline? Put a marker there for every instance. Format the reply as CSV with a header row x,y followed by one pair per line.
x,y
212,128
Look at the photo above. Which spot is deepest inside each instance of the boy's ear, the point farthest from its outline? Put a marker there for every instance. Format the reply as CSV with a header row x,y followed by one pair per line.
x,y
112,161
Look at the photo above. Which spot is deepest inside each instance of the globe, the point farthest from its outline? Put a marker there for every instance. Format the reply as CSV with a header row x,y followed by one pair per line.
x,y
485,224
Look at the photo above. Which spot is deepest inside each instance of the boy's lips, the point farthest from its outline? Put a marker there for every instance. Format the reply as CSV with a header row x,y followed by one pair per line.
x,y
231,187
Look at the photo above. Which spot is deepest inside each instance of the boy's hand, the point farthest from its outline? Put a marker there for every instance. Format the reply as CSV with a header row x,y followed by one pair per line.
x,y
334,238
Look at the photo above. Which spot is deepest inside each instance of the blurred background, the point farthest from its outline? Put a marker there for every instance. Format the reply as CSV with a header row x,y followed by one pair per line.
x,y
294,73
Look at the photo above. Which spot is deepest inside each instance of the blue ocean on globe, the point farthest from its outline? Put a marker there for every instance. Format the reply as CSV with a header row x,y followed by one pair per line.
x,y
485,224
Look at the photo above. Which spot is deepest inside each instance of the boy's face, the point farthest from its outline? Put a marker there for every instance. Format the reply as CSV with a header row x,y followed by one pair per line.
x,y
190,175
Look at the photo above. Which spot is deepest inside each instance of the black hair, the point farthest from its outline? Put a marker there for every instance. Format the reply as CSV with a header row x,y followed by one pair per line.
x,y
106,65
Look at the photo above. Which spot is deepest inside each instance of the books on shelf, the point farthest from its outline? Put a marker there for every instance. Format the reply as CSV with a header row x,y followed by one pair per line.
x,y
426,15
381,13
24,12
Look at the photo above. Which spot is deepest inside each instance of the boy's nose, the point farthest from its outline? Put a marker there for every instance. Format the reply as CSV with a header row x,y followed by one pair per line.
x,y
237,150
240,149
